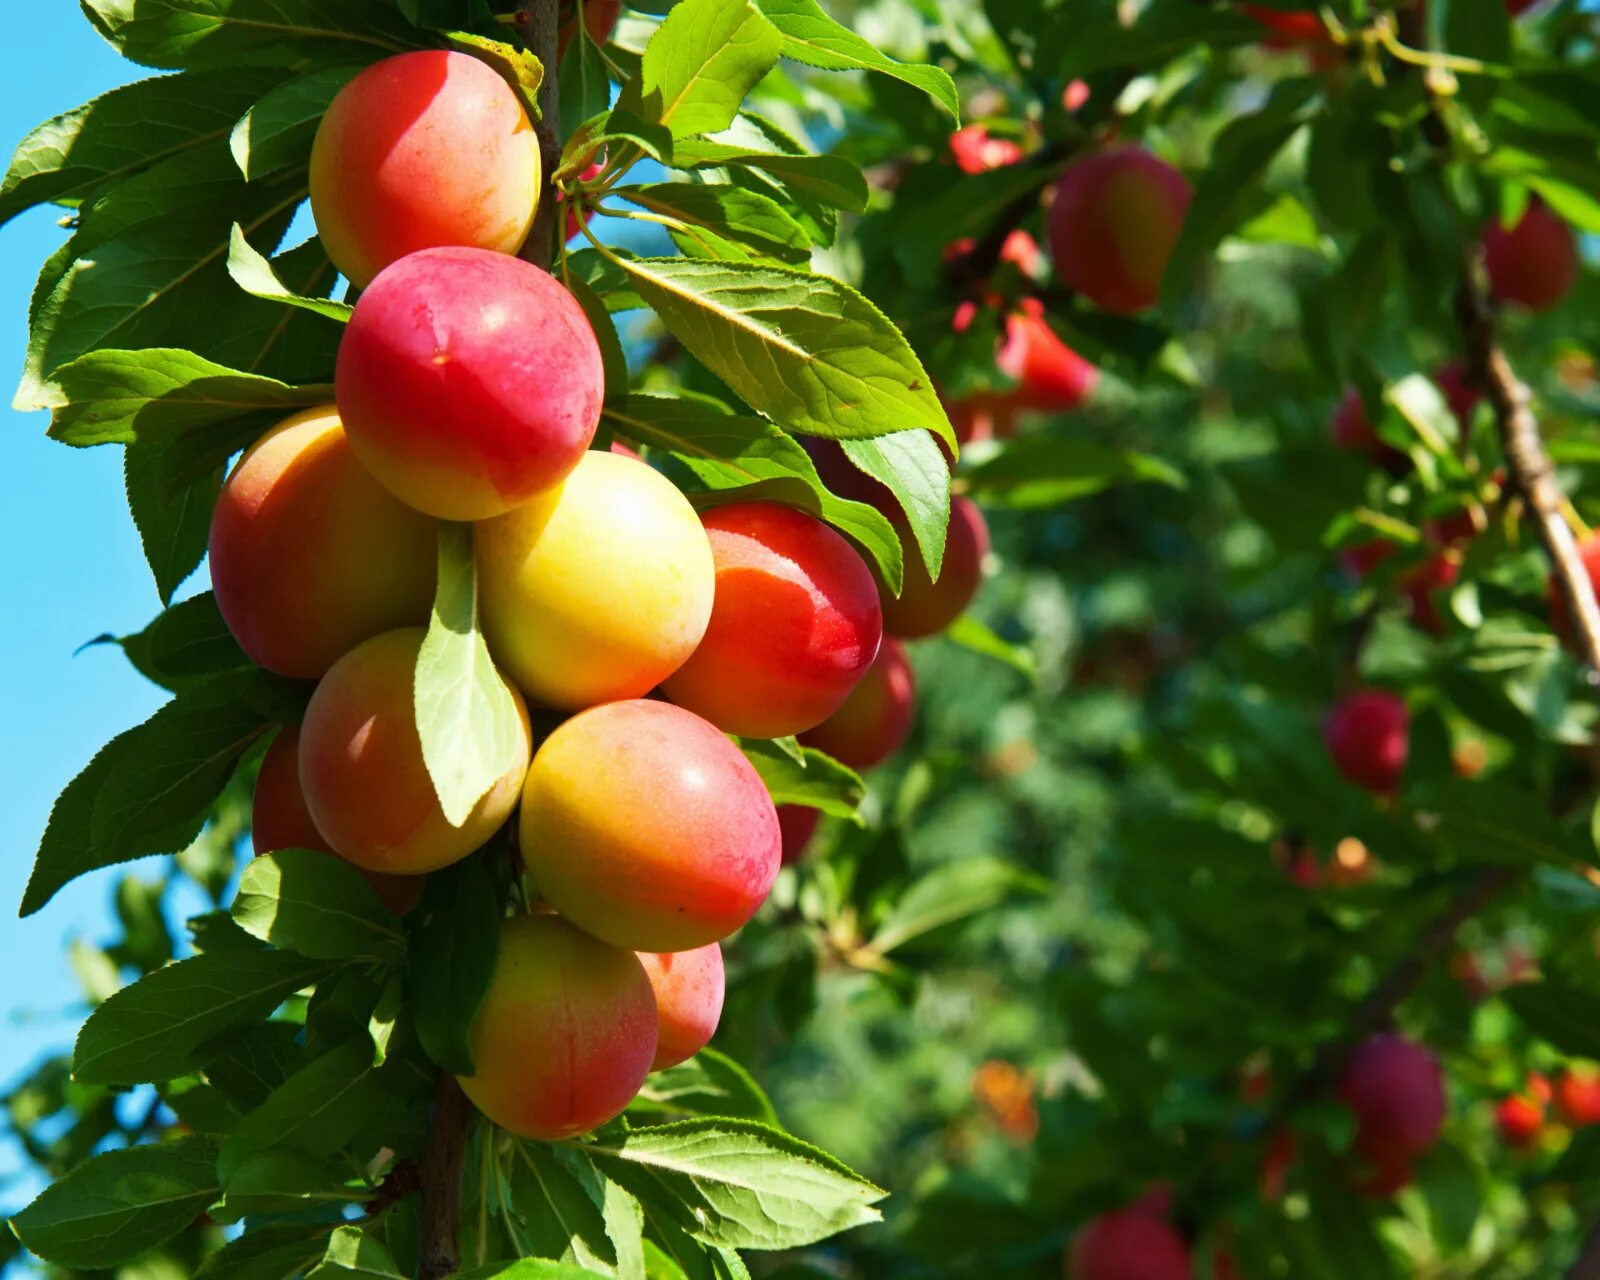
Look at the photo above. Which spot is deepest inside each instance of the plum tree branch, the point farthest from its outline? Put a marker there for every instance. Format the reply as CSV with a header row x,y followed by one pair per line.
x,y
1532,472
1586,1266
537,24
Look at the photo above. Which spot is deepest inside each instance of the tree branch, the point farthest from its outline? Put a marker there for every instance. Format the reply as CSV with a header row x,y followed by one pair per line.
x,y
439,1253
1532,473
1586,1266
537,24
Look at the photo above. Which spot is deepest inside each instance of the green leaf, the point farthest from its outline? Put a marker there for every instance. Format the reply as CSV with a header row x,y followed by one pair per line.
x,y
529,1269
913,468
256,275
472,726
120,1203
742,457
314,1112
738,1184
812,37
562,1197
278,130
455,947
283,1182
699,65
585,83
185,643
821,782
708,1084
73,156
219,33
155,395
69,849
1493,821
806,351
1566,1016
351,1252
268,1251
173,527
977,636
1238,161
177,763
308,901
950,893
745,216
148,268
154,1029
830,179
1048,471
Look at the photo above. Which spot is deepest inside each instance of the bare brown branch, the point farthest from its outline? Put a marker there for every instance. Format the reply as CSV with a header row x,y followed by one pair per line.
x,y
439,1254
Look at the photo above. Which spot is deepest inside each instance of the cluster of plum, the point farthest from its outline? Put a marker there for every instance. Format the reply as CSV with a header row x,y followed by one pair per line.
x,y
468,387
1523,1118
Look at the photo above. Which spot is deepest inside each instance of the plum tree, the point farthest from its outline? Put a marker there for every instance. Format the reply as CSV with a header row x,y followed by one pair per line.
x,y
1128,1244
565,1034
645,826
873,722
1112,225
309,554
279,819
597,589
361,768
468,381
689,987
1367,734
420,151
1396,1091
795,624
1051,377
1533,262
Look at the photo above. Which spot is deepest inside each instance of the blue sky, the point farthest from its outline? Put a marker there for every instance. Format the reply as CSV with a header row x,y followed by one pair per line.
x,y
74,570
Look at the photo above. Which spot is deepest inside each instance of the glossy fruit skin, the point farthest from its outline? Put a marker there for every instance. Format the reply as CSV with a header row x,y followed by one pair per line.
x,y
797,823
645,826
310,555
1289,27
1368,735
1128,1244
1351,429
1396,1090
688,986
1051,377
279,819
361,768
564,1036
924,606
1533,263
1112,225
468,381
795,624
1577,1097
597,589
876,718
1520,1121
419,151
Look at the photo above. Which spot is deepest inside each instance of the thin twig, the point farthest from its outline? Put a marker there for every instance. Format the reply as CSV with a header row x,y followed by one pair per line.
x,y
1586,1266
